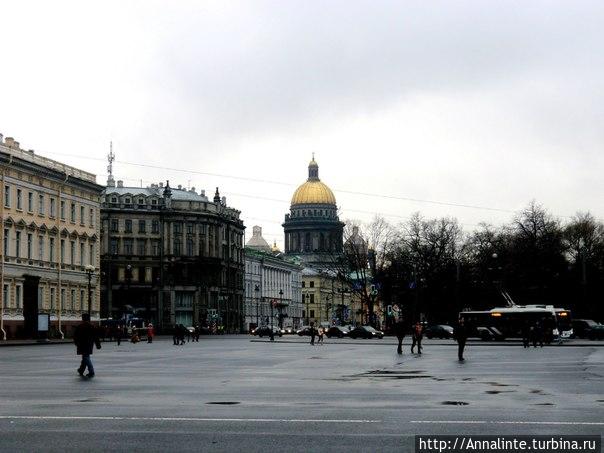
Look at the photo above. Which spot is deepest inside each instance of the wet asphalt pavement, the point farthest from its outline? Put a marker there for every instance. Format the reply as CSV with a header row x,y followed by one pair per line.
x,y
232,394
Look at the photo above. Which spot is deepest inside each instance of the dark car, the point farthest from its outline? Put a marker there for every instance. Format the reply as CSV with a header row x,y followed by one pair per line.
x,y
439,331
305,331
365,332
588,328
266,331
337,331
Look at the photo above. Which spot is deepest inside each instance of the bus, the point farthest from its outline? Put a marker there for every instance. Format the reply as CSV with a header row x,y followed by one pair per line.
x,y
508,322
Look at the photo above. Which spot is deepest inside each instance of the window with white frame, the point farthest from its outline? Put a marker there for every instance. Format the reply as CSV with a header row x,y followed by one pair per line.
x,y
30,245
73,299
7,196
5,295
41,204
19,199
30,202
18,296
41,248
82,215
62,307
18,244
53,207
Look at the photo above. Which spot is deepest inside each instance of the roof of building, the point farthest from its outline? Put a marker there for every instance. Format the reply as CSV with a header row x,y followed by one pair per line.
x,y
257,242
313,191
177,194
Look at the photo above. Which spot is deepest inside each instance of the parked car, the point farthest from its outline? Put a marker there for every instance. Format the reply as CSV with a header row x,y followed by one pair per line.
x,y
365,332
588,328
439,331
337,331
288,330
265,331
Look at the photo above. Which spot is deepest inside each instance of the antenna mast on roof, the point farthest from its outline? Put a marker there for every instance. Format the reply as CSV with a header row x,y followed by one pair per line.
x,y
110,158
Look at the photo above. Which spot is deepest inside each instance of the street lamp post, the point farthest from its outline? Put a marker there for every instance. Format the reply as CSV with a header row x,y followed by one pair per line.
x,y
256,291
307,309
272,333
280,309
89,271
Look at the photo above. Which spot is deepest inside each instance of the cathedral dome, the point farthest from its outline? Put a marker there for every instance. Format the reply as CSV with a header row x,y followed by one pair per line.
x,y
313,191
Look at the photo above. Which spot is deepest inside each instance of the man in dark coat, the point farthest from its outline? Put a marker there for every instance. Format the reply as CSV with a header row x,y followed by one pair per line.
x,y
313,332
461,335
84,337
399,331
418,334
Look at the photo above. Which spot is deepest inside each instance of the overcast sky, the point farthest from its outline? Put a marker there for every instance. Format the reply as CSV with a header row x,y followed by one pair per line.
x,y
487,104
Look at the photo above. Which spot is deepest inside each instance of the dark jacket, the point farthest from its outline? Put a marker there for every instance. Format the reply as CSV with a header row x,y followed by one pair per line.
x,y
461,332
85,336
399,329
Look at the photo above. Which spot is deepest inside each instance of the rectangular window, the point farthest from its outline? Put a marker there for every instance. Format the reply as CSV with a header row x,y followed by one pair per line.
x,y
312,284
312,313
155,226
141,226
303,284
41,248
6,237
177,247
156,248
82,253
128,226
141,249
53,207
177,228
62,257
5,296
82,215
30,245
312,299
18,299
62,307
72,215
72,252
18,244
82,299
51,250
62,209
91,216
7,196
91,255
73,299
114,225
41,204
53,298
19,199
127,246
189,247
114,247
40,297
30,202
190,228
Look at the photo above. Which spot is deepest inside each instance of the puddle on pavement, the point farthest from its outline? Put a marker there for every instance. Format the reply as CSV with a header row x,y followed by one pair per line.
x,y
88,400
455,403
497,392
544,404
224,403
390,374
498,384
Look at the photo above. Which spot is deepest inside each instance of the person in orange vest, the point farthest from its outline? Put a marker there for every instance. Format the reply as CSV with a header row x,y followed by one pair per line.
x,y
150,333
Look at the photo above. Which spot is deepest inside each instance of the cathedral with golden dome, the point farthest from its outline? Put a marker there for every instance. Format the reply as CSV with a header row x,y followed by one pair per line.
x,y
312,228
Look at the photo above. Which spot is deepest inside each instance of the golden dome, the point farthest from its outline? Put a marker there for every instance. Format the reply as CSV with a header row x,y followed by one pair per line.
x,y
313,192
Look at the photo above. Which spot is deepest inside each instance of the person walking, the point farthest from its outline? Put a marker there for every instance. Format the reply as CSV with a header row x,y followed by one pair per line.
x,y
418,333
526,334
119,333
399,331
312,333
150,333
538,334
85,337
321,333
461,335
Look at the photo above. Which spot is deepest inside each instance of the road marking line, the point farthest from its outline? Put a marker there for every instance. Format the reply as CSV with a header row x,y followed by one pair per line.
x,y
180,419
494,422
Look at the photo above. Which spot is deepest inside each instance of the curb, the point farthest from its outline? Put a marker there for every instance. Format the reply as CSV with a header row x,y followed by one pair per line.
x,y
480,343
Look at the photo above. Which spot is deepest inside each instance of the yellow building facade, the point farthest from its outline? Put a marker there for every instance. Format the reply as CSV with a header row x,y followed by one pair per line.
x,y
50,216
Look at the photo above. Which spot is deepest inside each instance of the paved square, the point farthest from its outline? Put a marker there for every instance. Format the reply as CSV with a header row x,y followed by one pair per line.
x,y
233,394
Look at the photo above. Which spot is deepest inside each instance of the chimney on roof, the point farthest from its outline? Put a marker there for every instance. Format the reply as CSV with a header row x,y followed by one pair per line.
x,y
120,183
